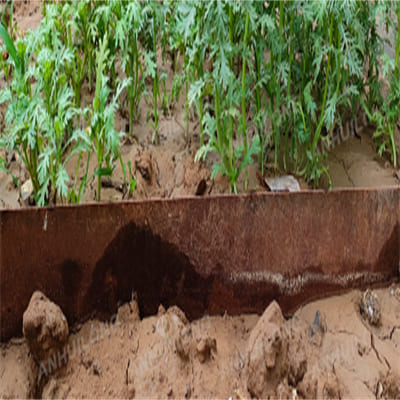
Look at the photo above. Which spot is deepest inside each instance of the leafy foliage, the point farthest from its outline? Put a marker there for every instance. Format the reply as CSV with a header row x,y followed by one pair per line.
x,y
269,81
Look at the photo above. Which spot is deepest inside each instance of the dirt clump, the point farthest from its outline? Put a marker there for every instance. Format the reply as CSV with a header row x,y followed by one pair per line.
x,y
267,353
145,165
45,327
317,385
389,386
128,312
370,307
277,355
205,347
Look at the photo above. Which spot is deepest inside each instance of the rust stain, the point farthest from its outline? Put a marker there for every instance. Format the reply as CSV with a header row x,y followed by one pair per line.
x,y
205,254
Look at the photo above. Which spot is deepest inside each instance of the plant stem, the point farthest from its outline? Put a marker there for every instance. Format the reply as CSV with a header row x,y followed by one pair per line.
x,y
322,115
231,21
257,56
131,89
244,133
288,93
156,138
397,42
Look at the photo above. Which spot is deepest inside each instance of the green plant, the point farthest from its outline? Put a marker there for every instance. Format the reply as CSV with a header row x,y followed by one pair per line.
x,y
269,81
132,180
127,37
106,140
387,116
7,17
155,16
39,117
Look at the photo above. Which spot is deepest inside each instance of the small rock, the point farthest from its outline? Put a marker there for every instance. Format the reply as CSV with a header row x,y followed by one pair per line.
x,y
26,190
169,393
317,329
188,391
45,327
97,368
282,183
204,348
370,307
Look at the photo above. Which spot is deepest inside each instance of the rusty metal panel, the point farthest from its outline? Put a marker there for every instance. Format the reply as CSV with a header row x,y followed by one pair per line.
x,y
205,254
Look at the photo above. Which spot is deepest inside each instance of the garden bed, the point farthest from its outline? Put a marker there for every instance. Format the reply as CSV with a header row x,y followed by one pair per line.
x,y
168,169
164,295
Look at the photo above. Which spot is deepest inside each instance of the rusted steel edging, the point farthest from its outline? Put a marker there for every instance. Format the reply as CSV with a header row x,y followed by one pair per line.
x,y
205,254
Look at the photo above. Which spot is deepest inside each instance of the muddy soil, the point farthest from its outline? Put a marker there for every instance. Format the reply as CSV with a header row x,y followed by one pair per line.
x,y
326,350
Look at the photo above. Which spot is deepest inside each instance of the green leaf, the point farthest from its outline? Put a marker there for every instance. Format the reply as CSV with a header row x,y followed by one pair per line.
x,y
61,183
10,47
216,169
195,91
308,99
103,172
132,185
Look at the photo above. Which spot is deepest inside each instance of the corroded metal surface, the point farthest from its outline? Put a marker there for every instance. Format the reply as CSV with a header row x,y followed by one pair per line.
x,y
211,254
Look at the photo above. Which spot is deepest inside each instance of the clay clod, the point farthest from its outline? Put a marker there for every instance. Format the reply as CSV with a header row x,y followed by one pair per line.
x,y
45,327
266,353
205,347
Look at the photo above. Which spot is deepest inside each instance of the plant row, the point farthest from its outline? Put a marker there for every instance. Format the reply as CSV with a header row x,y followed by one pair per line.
x,y
268,81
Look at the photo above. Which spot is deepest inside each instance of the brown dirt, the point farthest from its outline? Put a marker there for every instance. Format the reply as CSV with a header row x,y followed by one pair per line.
x,y
353,162
164,356
27,14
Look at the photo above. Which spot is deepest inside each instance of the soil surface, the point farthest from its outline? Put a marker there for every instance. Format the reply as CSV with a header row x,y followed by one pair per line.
x,y
326,350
